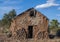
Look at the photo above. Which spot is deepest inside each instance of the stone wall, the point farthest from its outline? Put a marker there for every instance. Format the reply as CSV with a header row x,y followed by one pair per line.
x,y
39,23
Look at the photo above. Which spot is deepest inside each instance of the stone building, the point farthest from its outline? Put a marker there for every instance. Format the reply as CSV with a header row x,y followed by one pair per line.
x,y
30,24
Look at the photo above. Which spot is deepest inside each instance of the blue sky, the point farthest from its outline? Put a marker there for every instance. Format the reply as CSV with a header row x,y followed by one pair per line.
x,y
50,8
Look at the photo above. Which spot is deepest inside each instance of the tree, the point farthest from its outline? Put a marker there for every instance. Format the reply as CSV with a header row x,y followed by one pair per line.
x,y
0,23
54,23
7,18
58,33
12,14
53,26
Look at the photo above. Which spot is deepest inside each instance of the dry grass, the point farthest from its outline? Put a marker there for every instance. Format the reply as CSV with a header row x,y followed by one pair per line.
x,y
49,40
32,40
5,39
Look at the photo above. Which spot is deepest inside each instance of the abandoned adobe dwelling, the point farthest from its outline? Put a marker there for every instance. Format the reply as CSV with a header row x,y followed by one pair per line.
x,y
30,24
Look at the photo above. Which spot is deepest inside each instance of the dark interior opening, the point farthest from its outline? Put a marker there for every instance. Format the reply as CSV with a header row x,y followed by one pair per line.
x,y
30,31
32,14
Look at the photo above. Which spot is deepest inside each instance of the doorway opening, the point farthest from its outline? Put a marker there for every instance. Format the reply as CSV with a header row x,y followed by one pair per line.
x,y
30,31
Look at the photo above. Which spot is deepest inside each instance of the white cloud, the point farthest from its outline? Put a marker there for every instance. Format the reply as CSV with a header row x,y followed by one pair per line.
x,y
48,3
